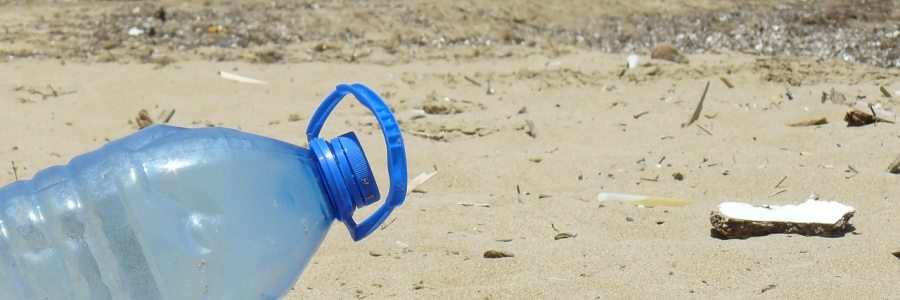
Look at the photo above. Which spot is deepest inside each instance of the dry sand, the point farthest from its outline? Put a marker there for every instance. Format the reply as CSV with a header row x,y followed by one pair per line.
x,y
591,131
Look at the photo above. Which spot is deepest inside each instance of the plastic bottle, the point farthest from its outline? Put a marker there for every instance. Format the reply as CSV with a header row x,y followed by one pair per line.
x,y
175,213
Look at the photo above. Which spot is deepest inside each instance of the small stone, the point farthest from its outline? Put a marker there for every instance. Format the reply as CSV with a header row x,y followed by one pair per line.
x,y
497,254
293,118
629,219
678,176
667,51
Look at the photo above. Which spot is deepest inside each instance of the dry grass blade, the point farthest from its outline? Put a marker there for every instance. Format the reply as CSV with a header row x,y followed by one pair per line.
x,y
699,108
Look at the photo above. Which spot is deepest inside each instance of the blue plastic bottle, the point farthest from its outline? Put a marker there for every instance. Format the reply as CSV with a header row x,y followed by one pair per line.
x,y
175,213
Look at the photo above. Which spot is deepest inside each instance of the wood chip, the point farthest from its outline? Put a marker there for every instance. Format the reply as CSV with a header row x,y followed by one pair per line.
x,y
885,92
894,168
419,180
497,254
564,235
143,119
699,108
726,82
810,122
855,117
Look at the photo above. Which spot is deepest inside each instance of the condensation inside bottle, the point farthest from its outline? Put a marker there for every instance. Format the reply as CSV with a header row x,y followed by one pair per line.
x,y
168,213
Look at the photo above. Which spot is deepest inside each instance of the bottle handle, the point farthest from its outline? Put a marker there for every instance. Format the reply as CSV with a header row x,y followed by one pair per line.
x,y
396,153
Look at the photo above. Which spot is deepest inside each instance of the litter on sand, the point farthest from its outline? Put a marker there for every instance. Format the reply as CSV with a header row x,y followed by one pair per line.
x,y
643,200
735,220
239,78
419,180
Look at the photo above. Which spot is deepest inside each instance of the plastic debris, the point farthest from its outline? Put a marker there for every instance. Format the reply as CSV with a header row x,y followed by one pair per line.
x,y
643,200
239,78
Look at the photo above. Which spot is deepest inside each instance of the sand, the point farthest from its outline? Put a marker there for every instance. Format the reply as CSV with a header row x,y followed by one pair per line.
x,y
590,131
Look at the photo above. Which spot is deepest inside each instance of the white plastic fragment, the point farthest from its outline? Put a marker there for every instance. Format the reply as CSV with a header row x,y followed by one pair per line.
x,y
134,31
879,110
419,180
239,78
633,61
639,200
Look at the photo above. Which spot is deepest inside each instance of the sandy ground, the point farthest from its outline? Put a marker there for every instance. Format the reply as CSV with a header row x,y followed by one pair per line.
x,y
561,126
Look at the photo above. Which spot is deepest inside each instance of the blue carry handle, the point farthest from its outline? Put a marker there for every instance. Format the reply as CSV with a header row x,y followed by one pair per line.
x,y
396,157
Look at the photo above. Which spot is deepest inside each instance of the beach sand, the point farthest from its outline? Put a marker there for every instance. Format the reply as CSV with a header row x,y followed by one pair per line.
x,y
562,124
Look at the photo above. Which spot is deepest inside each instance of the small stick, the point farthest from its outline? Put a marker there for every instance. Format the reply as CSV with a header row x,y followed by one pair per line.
x,y
165,116
471,80
15,171
697,110
726,82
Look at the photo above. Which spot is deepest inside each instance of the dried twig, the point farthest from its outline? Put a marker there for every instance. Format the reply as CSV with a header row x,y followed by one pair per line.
x,y
697,110
15,171
726,82
810,122
470,79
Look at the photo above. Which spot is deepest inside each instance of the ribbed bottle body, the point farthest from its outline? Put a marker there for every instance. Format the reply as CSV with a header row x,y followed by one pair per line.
x,y
166,213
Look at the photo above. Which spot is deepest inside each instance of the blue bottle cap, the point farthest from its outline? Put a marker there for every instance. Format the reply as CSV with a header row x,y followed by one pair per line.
x,y
345,171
